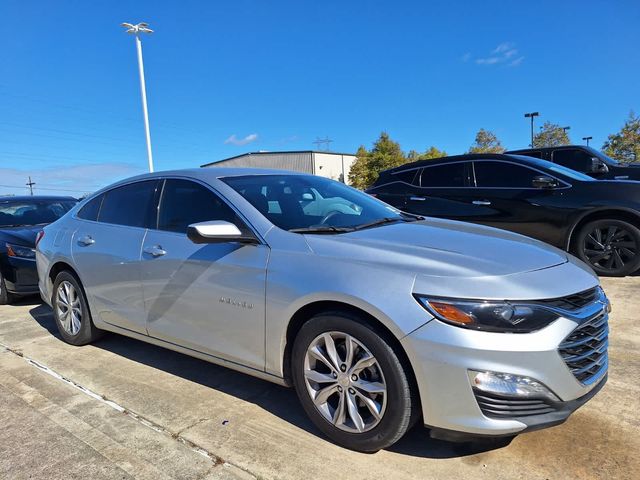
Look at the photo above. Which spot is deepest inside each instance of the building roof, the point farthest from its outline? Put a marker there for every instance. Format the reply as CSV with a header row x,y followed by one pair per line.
x,y
282,152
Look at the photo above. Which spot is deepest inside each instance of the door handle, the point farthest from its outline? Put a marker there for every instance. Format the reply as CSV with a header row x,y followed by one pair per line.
x,y
155,251
86,241
481,202
417,199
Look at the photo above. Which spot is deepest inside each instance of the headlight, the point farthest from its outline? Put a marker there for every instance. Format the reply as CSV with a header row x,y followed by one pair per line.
x,y
20,252
489,315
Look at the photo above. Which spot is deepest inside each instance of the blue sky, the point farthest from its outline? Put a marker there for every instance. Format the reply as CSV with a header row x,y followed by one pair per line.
x,y
227,77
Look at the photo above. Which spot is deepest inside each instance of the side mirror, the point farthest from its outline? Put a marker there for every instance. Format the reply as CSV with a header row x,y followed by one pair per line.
x,y
544,182
598,166
218,231
307,196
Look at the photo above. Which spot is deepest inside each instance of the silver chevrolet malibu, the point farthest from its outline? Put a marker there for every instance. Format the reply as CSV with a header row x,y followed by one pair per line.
x,y
378,318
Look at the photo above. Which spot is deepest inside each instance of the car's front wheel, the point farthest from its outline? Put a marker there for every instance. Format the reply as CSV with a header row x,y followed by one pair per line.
x,y
611,247
71,311
352,383
5,297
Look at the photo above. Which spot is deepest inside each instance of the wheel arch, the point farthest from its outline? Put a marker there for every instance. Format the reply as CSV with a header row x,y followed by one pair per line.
x,y
624,214
308,311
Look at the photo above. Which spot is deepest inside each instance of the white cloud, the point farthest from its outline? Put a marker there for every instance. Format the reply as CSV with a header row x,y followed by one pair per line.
x,y
234,140
74,180
505,52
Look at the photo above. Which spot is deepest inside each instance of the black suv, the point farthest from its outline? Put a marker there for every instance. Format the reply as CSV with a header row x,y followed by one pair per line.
x,y
584,159
597,220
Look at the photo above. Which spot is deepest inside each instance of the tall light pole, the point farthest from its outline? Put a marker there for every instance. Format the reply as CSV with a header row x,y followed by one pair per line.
x,y
531,115
137,30
565,129
586,139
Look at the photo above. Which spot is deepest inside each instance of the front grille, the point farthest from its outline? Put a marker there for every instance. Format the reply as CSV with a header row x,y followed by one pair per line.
x,y
495,406
585,350
573,302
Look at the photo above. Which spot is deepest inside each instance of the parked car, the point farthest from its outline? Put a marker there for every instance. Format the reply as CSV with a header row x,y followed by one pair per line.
x,y
378,318
586,160
597,220
21,218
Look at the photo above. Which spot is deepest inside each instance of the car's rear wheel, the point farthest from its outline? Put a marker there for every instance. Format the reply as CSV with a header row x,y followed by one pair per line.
x,y
352,383
71,311
611,247
5,297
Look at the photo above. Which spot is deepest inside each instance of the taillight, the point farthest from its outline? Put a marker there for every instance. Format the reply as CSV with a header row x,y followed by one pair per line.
x,y
39,237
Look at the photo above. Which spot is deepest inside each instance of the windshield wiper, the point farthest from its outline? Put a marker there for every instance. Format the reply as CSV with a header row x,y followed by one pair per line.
x,y
382,221
322,229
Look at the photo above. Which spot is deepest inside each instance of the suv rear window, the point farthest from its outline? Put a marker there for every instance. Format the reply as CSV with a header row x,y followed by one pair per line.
x,y
128,205
446,175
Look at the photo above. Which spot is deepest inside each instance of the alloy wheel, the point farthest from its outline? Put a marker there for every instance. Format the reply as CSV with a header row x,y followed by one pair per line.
x,y
68,308
345,382
610,247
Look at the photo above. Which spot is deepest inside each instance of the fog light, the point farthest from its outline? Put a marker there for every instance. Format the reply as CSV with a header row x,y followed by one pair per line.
x,y
510,385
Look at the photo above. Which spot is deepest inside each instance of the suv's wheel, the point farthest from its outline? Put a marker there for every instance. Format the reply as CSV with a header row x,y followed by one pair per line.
x,y
611,247
71,311
5,297
351,383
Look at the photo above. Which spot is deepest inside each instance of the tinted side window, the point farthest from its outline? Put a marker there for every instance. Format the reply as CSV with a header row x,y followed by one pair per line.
x,y
407,176
91,209
184,202
447,175
534,154
573,158
128,205
501,174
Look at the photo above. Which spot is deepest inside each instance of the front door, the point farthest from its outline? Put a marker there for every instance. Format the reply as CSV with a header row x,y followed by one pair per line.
x,y
207,297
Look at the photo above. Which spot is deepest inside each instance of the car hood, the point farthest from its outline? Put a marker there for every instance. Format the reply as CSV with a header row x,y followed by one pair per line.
x,y
25,235
443,248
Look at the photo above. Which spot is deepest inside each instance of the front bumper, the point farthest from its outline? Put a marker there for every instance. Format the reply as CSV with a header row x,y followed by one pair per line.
x,y
442,354
20,275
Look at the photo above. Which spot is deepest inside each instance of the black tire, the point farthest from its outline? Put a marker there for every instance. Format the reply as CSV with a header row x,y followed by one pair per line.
x,y
5,297
401,409
87,332
611,247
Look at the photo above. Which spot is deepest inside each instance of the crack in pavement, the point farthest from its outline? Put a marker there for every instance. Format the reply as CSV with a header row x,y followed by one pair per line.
x,y
215,460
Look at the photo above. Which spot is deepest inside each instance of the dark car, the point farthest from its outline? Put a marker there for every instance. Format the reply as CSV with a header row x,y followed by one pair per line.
x,y
21,218
586,160
597,220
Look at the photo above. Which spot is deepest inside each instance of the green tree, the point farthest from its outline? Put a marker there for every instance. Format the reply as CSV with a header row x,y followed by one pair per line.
x,y
358,173
486,142
429,154
385,154
625,145
551,135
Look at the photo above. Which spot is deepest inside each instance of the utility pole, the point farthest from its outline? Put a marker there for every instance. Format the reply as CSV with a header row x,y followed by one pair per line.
x,y
323,141
531,115
587,139
137,30
30,184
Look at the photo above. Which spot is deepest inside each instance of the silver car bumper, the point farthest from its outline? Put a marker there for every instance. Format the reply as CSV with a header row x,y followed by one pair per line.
x,y
442,356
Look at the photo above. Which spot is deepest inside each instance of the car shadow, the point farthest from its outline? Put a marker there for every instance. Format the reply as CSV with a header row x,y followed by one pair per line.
x,y
278,400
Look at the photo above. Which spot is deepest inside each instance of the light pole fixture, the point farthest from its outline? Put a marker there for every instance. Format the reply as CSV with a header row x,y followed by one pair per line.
x,y
137,30
531,115
565,129
586,139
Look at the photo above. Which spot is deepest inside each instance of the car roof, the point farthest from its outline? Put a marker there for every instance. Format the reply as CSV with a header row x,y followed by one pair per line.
x,y
25,198
539,149
456,158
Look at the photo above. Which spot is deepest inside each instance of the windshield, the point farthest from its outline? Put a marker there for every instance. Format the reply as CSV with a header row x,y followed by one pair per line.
x,y
308,203
32,212
602,156
554,167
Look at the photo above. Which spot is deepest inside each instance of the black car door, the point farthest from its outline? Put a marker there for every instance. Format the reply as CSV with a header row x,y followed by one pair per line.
x,y
442,190
505,197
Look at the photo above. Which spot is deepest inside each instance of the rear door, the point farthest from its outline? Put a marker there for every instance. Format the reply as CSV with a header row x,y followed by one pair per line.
x,y
506,198
106,252
443,191
207,297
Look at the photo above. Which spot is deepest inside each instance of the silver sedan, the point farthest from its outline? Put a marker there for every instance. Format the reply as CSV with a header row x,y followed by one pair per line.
x,y
378,318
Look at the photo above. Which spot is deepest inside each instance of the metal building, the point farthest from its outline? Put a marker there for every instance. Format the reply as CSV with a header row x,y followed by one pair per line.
x,y
325,164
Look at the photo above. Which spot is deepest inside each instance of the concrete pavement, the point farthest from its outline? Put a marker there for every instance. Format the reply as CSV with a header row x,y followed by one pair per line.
x,y
157,413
